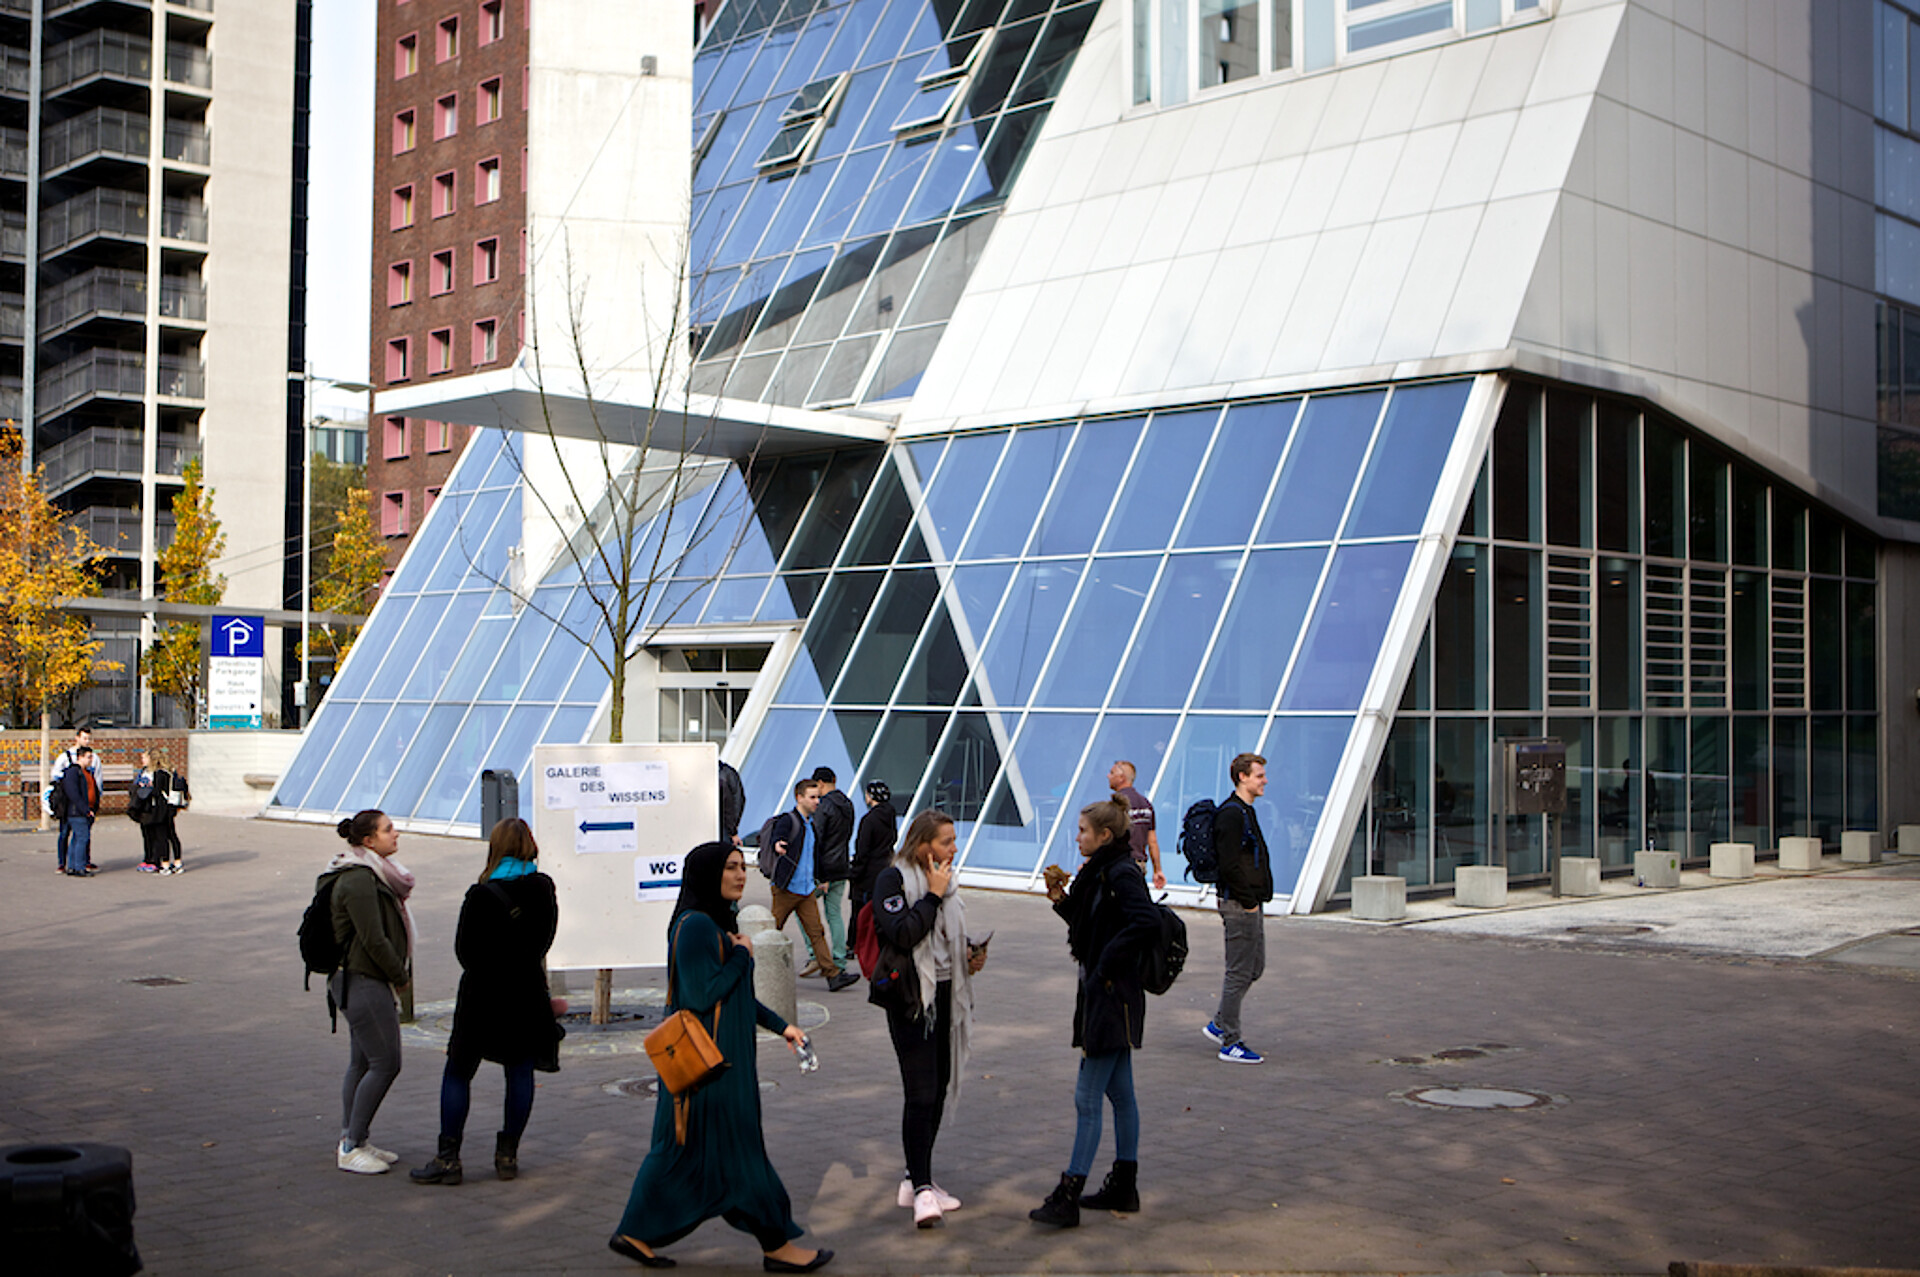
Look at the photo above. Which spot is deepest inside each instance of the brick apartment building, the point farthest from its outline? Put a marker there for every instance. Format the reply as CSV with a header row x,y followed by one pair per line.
x,y
450,164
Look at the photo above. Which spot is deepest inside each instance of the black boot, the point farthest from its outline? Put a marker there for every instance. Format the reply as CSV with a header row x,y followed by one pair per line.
x,y
506,1155
445,1166
1121,1191
1062,1207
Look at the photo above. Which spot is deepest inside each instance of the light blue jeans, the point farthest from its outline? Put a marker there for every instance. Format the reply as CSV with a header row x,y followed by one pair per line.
x,y
79,843
833,898
1110,1076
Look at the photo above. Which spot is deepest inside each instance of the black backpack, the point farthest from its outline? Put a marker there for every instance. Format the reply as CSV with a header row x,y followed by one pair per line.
x,y
321,953
768,856
1196,842
1162,964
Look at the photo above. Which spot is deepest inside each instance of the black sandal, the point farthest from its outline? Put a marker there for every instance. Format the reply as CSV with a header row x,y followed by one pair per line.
x,y
619,1245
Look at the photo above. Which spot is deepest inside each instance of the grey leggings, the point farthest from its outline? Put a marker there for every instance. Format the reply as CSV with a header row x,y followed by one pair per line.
x,y
373,1060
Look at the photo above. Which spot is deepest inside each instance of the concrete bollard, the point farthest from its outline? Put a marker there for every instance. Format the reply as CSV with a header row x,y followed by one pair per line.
x,y
1579,876
1656,868
1480,886
1801,854
754,919
1379,898
1860,847
1731,860
1906,840
773,981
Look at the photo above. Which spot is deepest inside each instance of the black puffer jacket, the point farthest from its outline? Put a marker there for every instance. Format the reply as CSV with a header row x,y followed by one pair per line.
x,y
1110,924
872,850
833,822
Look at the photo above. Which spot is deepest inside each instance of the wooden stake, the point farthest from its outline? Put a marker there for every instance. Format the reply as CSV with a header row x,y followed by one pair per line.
x,y
603,995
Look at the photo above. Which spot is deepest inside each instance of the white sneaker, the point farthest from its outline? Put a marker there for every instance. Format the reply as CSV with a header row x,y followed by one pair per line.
x,y
926,1209
947,1200
381,1153
361,1161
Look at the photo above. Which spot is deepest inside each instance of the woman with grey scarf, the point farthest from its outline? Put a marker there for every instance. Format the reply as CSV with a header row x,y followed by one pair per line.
x,y
925,983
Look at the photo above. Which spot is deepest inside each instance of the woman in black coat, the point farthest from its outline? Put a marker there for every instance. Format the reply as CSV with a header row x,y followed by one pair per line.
x,y
1110,924
502,1012
872,843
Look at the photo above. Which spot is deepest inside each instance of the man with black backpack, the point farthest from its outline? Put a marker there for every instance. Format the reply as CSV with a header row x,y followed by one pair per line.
x,y
795,845
55,800
1246,885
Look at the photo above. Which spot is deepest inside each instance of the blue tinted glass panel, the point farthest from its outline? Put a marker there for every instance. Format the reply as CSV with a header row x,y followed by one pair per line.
x,y
589,684
804,192
1162,474
1327,446
1343,640
891,631
389,618
714,222
968,762
511,674
1405,466
557,665
906,744
725,73
386,746
950,503
1024,634
779,749
476,554
405,652
735,599
952,178
1405,26
1301,754
1008,513
1096,633
463,761
500,451
1229,494
566,727
766,122
1085,492
1196,768
331,724
838,137
439,653
512,750
1263,624
483,646
850,184
1161,664
841,744
792,596
975,591
423,758
939,667
813,41
894,188
902,20
829,637
1027,802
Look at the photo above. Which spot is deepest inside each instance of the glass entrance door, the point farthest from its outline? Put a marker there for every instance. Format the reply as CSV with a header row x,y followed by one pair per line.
x,y
704,690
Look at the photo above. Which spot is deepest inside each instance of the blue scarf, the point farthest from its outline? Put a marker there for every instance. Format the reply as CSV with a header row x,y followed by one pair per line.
x,y
509,869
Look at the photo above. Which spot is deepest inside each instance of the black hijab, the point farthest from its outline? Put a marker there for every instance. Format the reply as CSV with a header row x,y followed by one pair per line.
x,y
700,888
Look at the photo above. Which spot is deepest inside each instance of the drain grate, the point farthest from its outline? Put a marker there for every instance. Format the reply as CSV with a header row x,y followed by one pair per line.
x,y
1610,929
1480,1099
157,981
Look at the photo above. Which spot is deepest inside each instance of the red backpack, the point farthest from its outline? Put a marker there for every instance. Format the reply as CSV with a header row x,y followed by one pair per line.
x,y
866,941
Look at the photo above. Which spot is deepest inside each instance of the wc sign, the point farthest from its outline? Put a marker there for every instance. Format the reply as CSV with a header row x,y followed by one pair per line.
x,y
656,877
236,671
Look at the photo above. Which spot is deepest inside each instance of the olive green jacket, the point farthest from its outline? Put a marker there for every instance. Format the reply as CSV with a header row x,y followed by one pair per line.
x,y
369,926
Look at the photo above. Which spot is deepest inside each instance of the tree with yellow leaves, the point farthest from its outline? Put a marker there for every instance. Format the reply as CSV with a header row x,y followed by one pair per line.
x,y
46,652
173,664
357,558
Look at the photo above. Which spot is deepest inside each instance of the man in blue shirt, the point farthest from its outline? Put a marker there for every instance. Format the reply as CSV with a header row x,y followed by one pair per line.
x,y
794,888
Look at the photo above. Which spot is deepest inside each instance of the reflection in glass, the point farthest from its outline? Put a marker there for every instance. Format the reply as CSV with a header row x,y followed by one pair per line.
x,y
1026,804
1262,626
1666,784
889,637
385,746
903,362
1024,633
829,637
1344,638
464,757
1083,494
777,756
1327,446
1096,633
949,505
1224,503
841,743
1301,756
1141,739
1404,470
905,747
1160,480
1007,515
1164,656
1576,823
1747,795
840,494
1229,41
948,270
1710,818
1461,832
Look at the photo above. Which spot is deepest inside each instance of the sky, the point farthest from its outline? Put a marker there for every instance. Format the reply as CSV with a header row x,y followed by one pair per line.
x,y
340,200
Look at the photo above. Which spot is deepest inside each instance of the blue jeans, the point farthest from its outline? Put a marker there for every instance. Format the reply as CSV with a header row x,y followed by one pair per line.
x,y
1111,1076
79,832
832,896
456,1096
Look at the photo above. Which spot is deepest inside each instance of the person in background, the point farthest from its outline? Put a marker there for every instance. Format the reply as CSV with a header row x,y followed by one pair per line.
x,y
1143,839
733,804
80,786
795,841
503,1011
722,1170
157,797
58,769
375,933
872,844
1246,884
834,821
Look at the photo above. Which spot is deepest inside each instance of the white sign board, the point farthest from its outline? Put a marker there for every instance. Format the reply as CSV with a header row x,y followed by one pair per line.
x,y
615,823
233,690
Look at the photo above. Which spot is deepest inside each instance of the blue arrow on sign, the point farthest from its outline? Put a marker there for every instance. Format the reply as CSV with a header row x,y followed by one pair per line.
x,y
605,826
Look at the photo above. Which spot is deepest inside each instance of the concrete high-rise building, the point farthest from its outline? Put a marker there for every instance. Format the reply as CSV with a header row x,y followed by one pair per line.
x,y
147,163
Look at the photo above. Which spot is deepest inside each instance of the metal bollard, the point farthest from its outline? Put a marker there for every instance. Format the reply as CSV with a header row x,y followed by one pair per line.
x,y
773,979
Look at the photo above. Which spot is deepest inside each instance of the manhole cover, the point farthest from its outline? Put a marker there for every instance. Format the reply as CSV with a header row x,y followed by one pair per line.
x,y
1476,1098
1610,929
157,981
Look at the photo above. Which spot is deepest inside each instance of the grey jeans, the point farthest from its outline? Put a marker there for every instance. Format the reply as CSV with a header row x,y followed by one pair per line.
x,y
373,1058
1246,958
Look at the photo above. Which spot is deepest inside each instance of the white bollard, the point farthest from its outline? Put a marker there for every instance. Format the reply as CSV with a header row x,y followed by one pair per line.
x,y
1579,876
1480,886
773,980
754,919
1800,854
1656,868
1906,840
1379,898
1860,847
1731,860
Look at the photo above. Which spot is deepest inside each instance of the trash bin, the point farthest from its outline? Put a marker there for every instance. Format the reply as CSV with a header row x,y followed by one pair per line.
x,y
67,1208
499,798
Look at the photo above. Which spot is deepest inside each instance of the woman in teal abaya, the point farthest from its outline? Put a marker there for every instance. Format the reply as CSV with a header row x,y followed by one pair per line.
x,y
722,1170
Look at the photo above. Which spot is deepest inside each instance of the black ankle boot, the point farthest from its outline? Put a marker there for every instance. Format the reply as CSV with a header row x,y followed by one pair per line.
x,y
1062,1207
1120,1192
445,1166
506,1155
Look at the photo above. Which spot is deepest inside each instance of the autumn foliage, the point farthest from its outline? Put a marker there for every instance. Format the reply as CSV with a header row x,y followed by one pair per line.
x,y
46,653
174,662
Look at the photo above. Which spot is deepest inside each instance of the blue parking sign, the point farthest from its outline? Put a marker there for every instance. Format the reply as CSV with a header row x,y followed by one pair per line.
x,y
238,636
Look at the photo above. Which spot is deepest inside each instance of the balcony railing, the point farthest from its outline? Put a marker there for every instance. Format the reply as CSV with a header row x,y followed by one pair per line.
x,y
204,6
183,298
102,291
13,235
188,142
183,377
112,374
13,397
13,316
104,130
184,219
119,54
122,214
22,7
190,65
16,71
111,452
13,152
116,529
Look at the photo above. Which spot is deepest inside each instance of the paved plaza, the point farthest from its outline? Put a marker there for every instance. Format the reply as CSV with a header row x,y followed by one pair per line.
x,y
1699,1101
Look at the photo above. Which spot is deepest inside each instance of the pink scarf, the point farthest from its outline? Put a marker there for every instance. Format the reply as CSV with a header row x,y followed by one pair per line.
x,y
388,870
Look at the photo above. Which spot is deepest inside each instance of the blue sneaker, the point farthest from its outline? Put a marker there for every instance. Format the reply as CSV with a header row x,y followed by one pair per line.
x,y
1240,1053
1214,1035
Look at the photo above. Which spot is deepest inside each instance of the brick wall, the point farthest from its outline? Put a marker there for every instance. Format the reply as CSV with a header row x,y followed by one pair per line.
x,y
22,749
